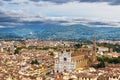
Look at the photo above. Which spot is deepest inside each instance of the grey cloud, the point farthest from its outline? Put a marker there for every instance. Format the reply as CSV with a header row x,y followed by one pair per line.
x,y
7,0
90,0
1,3
115,2
8,18
35,0
14,3
111,2
98,23
54,1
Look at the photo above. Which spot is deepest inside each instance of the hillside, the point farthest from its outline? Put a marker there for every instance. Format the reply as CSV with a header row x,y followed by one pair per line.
x,y
52,31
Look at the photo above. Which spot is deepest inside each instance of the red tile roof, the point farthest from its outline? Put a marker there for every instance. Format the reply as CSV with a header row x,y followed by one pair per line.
x,y
77,54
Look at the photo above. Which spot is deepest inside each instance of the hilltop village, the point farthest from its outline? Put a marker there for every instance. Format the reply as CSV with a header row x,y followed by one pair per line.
x,y
34,59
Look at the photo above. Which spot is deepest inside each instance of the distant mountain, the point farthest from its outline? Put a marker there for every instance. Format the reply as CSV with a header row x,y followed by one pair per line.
x,y
54,31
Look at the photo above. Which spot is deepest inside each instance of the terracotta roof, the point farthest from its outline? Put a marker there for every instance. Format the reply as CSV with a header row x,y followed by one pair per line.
x,y
113,54
76,54
86,75
103,47
85,49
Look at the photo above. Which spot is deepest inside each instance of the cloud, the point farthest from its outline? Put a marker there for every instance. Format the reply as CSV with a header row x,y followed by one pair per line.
x,y
8,18
2,26
54,1
99,23
1,3
6,26
102,24
115,2
112,2
7,0
14,3
17,18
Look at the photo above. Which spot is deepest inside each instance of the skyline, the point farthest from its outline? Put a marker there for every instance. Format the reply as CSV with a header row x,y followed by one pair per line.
x,y
93,13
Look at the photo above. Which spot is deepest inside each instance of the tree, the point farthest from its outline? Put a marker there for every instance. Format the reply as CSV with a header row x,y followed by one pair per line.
x,y
52,53
78,45
46,48
34,62
16,51
101,65
114,60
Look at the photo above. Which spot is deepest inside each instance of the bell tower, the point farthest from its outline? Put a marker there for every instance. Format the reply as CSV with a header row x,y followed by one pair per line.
x,y
94,54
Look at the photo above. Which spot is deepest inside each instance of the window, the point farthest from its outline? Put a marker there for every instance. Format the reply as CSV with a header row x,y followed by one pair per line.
x,y
65,59
64,70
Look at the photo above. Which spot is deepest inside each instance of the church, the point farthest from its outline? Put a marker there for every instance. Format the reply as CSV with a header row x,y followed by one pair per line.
x,y
70,61
64,63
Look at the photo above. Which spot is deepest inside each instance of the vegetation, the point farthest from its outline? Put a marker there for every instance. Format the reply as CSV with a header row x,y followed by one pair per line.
x,y
18,49
101,65
46,48
68,50
86,41
34,62
52,53
114,60
104,59
32,47
78,46
55,48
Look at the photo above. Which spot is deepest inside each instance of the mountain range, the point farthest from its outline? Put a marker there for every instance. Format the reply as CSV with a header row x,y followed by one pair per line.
x,y
54,31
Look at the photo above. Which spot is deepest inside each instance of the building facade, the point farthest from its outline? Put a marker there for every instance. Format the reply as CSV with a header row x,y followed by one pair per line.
x,y
75,61
67,62
64,63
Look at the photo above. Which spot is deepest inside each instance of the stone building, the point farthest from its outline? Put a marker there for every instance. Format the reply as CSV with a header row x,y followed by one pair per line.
x,y
64,63
68,62
74,61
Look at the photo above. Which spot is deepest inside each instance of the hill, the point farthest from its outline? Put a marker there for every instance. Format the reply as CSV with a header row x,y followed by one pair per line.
x,y
54,31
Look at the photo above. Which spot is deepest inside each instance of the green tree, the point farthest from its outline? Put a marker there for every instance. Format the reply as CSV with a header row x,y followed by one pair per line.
x,y
34,62
101,65
16,51
78,46
52,53
46,48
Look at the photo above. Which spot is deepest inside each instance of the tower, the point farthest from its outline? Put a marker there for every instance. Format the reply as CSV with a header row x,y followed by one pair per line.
x,y
94,54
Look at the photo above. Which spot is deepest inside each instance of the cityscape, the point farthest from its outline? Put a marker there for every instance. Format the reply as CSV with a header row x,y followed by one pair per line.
x,y
35,59
59,40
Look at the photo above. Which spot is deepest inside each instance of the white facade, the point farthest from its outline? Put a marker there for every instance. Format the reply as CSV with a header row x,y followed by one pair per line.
x,y
64,63
101,50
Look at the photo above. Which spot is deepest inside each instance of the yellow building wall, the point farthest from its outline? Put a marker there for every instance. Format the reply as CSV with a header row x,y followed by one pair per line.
x,y
81,62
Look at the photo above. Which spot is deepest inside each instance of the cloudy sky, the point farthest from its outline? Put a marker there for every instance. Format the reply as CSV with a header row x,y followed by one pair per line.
x,y
98,13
